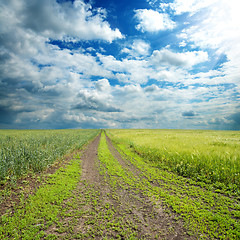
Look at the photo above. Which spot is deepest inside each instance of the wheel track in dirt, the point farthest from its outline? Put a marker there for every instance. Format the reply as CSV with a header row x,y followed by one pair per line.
x,y
82,210
162,219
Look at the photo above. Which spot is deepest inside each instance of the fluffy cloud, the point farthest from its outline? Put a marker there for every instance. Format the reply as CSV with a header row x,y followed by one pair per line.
x,y
128,70
53,20
95,101
103,85
29,63
185,59
137,48
152,21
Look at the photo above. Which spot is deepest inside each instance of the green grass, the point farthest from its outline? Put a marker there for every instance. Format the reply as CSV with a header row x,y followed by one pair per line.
x,y
206,156
115,176
41,210
74,208
207,214
22,151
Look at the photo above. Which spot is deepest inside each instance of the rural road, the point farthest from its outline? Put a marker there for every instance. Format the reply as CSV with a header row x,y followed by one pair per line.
x,y
99,210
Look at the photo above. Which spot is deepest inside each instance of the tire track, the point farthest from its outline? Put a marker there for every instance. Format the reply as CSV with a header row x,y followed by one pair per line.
x,y
162,220
97,210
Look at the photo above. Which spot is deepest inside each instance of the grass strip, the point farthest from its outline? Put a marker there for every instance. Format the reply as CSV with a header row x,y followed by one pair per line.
x,y
113,174
42,209
119,177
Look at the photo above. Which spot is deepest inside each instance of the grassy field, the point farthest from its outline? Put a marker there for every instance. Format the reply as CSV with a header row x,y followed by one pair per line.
x,y
126,187
22,151
210,157
206,212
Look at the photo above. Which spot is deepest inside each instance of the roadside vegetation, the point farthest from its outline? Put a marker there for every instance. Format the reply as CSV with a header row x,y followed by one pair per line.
x,y
24,151
208,157
33,216
205,211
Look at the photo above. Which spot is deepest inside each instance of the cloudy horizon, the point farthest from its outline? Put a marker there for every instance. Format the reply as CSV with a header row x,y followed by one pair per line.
x,y
128,64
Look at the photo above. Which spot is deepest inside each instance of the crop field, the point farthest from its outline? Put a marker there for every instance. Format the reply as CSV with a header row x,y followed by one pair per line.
x,y
205,156
128,184
33,150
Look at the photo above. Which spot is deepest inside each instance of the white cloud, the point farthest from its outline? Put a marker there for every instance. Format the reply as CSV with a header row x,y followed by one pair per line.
x,y
136,71
98,99
137,48
153,21
185,59
193,6
103,85
53,20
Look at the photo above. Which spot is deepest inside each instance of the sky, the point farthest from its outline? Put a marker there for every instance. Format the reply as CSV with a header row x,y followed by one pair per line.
x,y
166,64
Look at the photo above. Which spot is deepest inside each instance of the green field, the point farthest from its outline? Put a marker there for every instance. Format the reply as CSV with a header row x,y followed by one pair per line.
x,y
206,156
22,151
197,174
132,184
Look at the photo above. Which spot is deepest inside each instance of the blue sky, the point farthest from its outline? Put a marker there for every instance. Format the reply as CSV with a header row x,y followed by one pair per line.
x,y
120,64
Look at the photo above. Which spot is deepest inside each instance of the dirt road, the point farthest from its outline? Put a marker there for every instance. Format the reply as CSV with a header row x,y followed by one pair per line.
x,y
100,211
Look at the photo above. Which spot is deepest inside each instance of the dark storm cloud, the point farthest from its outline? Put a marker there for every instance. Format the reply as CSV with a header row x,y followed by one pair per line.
x,y
188,114
4,56
91,102
235,118
7,116
9,110
230,122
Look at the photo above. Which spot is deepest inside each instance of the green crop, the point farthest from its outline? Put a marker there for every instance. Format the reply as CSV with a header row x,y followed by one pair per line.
x,y
22,151
206,156
42,209
206,213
